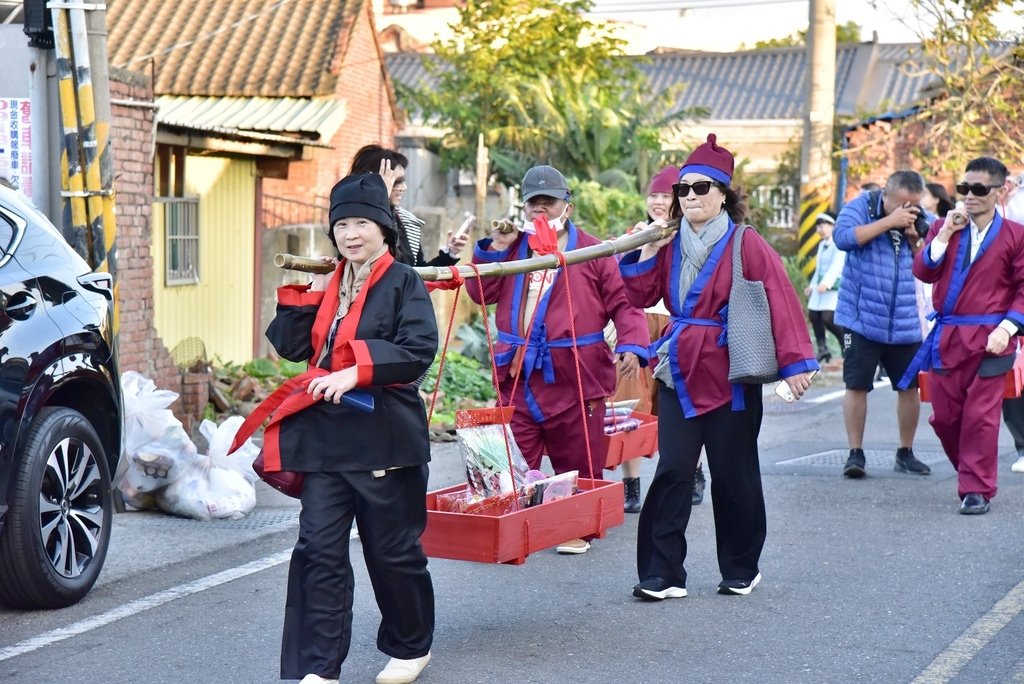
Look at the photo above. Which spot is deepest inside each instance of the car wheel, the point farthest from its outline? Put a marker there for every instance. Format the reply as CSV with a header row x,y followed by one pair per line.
x,y
57,529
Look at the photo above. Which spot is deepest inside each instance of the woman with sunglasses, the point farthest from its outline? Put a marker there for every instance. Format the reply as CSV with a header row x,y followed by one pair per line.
x,y
661,204
698,406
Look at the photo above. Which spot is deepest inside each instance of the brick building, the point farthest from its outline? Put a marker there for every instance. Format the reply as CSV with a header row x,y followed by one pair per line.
x,y
132,139
293,87
306,69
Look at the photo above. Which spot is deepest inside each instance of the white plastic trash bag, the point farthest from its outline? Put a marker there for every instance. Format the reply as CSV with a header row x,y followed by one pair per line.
x,y
165,469
218,486
157,447
219,438
208,491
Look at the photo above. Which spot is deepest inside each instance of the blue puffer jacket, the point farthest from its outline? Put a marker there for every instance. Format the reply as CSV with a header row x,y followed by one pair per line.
x,y
876,294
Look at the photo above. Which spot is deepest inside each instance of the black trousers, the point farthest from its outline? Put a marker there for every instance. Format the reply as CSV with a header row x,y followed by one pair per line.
x,y
1013,416
391,513
820,320
730,438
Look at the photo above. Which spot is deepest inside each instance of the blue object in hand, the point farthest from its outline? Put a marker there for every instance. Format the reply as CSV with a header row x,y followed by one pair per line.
x,y
359,399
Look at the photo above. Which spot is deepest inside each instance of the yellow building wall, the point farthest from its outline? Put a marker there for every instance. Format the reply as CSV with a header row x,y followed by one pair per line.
x,y
219,308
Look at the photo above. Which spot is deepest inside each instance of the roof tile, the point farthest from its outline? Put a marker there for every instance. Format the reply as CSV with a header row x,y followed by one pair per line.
x,y
270,48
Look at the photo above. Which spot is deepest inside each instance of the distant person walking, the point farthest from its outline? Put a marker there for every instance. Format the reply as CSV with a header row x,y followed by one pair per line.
x,y
936,201
375,159
823,290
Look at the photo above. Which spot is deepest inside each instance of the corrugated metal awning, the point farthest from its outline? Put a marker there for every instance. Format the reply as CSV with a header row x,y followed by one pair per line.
x,y
313,120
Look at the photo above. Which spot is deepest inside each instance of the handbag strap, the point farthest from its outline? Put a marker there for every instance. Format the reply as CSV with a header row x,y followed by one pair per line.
x,y
737,253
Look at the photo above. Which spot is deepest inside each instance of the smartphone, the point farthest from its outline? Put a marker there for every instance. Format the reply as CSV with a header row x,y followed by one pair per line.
x,y
466,225
786,394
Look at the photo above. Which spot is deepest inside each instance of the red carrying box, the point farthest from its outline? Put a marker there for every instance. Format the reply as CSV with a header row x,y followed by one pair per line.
x,y
625,446
510,538
1011,390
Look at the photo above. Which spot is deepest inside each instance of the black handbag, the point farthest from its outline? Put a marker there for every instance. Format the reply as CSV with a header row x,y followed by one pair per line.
x,y
751,343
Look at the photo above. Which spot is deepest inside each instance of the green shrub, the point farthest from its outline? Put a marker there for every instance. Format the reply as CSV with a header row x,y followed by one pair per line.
x,y
466,383
290,369
797,277
261,368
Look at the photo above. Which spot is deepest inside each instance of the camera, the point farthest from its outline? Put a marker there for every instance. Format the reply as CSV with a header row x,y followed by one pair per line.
x,y
921,224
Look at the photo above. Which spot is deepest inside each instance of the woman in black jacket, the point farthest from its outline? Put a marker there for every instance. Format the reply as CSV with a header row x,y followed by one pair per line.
x,y
368,326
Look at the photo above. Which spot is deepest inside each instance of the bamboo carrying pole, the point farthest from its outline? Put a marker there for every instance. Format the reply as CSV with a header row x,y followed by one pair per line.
x,y
626,243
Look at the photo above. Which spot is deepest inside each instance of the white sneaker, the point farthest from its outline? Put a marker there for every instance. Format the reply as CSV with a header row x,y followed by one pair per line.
x,y
1018,467
399,671
317,679
574,546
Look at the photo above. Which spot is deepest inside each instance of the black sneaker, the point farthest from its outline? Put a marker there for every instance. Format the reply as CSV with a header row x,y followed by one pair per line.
x,y
906,462
739,587
854,467
656,589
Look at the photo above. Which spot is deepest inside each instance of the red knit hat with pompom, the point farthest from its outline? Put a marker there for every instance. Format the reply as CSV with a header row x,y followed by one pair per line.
x,y
710,160
663,180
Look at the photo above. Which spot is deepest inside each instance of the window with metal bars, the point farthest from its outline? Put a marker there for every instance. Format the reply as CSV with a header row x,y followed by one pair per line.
x,y
181,240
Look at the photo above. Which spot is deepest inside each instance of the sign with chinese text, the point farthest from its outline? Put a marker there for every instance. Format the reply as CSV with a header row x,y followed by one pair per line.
x,y
16,142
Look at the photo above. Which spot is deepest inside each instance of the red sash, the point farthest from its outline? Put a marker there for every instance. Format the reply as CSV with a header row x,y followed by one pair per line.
x,y
292,397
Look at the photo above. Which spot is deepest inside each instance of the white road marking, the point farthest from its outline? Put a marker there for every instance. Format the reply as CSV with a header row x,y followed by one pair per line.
x,y
965,647
142,604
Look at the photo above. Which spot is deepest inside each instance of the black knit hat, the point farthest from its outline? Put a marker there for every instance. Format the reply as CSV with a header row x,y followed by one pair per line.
x,y
363,196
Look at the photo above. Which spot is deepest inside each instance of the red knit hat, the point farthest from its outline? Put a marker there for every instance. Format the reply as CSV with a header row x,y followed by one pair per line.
x,y
663,180
710,160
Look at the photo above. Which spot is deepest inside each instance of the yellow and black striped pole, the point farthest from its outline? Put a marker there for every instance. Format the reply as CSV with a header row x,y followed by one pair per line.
x,y
813,201
87,137
72,181
86,120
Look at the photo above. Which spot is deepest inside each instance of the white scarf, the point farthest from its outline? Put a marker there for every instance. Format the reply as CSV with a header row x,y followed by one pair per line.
x,y
696,247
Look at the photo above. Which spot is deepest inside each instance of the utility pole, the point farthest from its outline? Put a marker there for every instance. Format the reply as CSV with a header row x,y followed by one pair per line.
x,y
483,171
816,154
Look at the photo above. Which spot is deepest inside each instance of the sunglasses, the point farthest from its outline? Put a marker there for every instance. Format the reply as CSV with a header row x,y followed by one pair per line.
x,y
976,189
699,188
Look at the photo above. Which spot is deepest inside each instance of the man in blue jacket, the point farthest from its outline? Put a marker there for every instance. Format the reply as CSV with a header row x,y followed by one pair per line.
x,y
878,309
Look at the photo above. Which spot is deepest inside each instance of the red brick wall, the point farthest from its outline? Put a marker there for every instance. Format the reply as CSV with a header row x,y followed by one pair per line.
x,y
879,149
131,141
364,92
882,147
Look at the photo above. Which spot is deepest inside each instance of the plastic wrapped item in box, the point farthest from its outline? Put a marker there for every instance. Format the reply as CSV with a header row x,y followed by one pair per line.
x,y
642,441
486,454
554,488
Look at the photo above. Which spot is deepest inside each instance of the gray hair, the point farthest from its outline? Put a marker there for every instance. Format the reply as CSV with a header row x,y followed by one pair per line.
x,y
909,181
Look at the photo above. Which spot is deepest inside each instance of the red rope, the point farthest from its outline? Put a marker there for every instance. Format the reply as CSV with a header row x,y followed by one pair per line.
x,y
454,283
458,281
576,359
494,378
518,373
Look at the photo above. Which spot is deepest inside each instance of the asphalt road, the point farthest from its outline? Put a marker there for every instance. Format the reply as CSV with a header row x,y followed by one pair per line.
x,y
874,580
